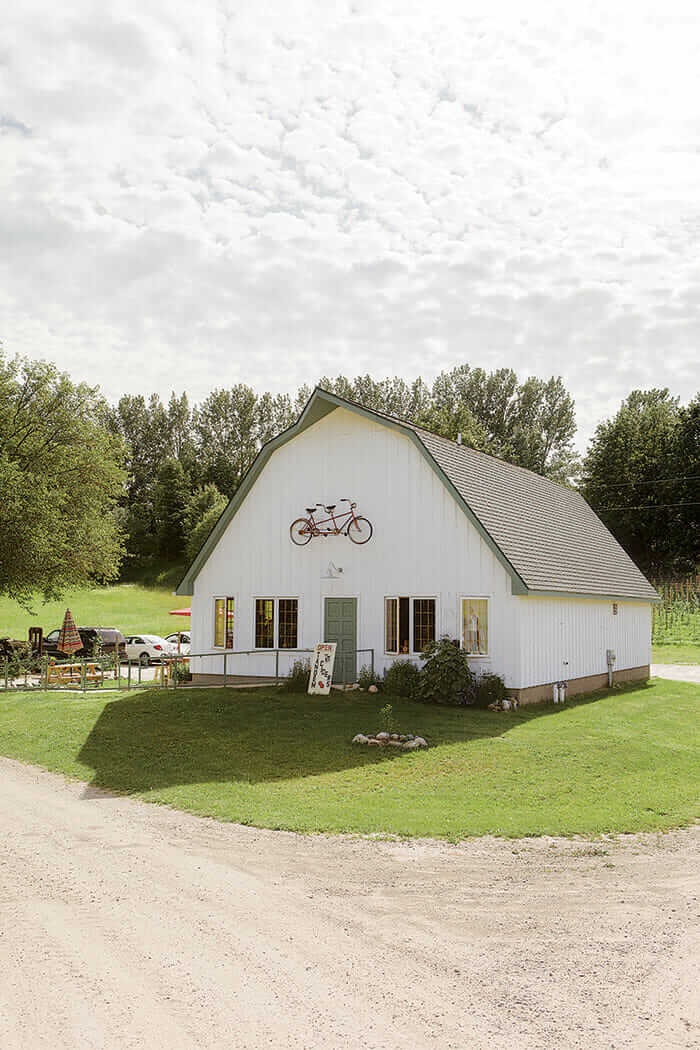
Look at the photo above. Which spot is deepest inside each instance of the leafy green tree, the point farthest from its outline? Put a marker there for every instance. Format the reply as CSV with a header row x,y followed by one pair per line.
x,y
171,496
686,523
634,477
61,476
152,434
456,423
205,507
230,428
532,424
141,424
180,437
392,396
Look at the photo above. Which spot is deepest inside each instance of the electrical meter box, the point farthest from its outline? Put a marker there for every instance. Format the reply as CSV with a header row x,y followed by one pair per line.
x,y
611,657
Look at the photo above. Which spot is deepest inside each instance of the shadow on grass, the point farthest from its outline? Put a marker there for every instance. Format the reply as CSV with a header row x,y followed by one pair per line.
x,y
161,739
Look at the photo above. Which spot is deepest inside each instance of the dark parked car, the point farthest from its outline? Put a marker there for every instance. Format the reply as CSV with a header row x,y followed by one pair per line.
x,y
93,638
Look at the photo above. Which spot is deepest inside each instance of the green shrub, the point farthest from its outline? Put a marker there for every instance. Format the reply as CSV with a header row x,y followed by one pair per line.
x,y
446,677
401,679
298,678
181,671
367,677
488,689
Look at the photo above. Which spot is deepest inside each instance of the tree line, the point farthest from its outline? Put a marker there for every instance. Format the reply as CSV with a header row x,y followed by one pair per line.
x,y
89,489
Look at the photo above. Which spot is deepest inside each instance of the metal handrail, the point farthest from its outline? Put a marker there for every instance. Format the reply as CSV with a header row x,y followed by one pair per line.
x,y
81,662
250,652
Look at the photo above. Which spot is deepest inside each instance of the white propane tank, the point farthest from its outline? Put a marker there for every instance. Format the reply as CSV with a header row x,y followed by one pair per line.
x,y
555,691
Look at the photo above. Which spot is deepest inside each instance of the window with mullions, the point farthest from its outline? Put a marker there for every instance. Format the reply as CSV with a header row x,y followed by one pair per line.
x,y
288,619
399,613
276,623
423,623
264,623
223,623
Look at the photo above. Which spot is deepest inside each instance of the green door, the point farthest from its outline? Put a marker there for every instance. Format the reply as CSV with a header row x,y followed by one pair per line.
x,y
340,626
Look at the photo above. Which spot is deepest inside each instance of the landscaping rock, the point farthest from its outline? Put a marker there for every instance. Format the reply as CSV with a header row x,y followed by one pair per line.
x,y
382,736
410,745
374,743
420,742
394,743
360,739
409,736
403,738
373,689
394,736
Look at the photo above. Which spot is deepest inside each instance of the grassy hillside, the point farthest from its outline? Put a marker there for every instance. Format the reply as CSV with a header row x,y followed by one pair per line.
x,y
129,606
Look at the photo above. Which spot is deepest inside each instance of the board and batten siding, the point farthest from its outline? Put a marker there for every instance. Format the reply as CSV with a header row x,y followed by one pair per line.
x,y
580,631
423,545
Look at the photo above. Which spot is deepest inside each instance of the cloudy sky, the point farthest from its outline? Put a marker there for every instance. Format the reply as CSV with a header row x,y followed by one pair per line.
x,y
197,194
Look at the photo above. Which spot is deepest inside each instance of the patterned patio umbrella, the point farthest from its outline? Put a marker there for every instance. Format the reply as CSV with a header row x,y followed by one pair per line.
x,y
69,640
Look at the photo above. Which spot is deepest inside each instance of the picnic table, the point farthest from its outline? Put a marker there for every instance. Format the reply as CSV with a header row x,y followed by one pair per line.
x,y
71,674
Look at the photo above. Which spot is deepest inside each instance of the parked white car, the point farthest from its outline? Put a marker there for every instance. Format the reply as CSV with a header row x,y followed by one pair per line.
x,y
184,642
147,649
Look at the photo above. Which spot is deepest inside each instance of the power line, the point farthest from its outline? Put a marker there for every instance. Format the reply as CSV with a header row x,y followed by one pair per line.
x,y
628,484
650,506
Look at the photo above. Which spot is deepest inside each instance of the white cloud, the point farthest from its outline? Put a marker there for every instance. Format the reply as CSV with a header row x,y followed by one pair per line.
x,y
194,195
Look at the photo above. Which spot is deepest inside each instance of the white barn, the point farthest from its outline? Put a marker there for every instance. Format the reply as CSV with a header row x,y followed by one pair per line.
x,y
516,567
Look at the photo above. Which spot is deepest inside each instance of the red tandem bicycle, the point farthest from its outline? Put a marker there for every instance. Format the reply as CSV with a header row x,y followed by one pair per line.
x,y
344,523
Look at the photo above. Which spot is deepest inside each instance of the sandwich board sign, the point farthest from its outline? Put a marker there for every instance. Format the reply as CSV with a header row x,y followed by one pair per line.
x,y
322,668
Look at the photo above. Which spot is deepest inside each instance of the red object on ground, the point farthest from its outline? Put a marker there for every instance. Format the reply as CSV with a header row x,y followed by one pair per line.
x,y
179,612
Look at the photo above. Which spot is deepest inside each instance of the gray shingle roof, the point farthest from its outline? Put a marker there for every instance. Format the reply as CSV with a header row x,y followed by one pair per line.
x,y
548,533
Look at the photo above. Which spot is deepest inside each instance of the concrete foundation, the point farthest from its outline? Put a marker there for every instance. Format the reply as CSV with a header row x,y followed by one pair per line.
x,y
535,694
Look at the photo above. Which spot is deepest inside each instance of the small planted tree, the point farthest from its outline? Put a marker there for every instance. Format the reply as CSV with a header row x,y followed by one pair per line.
x,y
446,677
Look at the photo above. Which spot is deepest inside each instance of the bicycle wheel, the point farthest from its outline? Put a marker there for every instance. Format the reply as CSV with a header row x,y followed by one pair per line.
x,y
360,530
301,531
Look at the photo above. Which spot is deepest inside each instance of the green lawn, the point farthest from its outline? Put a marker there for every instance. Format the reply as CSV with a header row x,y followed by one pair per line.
x,y
129,606
623,761
687,653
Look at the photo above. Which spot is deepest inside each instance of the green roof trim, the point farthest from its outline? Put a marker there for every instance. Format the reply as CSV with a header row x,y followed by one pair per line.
x,y
590,597
320,404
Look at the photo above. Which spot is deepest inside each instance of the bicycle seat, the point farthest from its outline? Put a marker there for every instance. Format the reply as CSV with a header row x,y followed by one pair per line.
x,y
310,510
331,507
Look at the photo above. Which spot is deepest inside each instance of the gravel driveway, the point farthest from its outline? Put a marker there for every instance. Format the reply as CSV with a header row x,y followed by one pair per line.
x,y
125,925
677,672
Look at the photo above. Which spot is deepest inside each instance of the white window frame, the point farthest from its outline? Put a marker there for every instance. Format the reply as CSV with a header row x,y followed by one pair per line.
x,y
411,599
276,599
218,598
460,621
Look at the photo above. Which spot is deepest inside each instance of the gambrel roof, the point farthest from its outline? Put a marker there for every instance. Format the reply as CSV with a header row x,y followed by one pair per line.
x,y
545,535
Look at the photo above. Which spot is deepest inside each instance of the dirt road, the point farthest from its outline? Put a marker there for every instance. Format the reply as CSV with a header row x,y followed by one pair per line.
x,y
677,672
124,925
